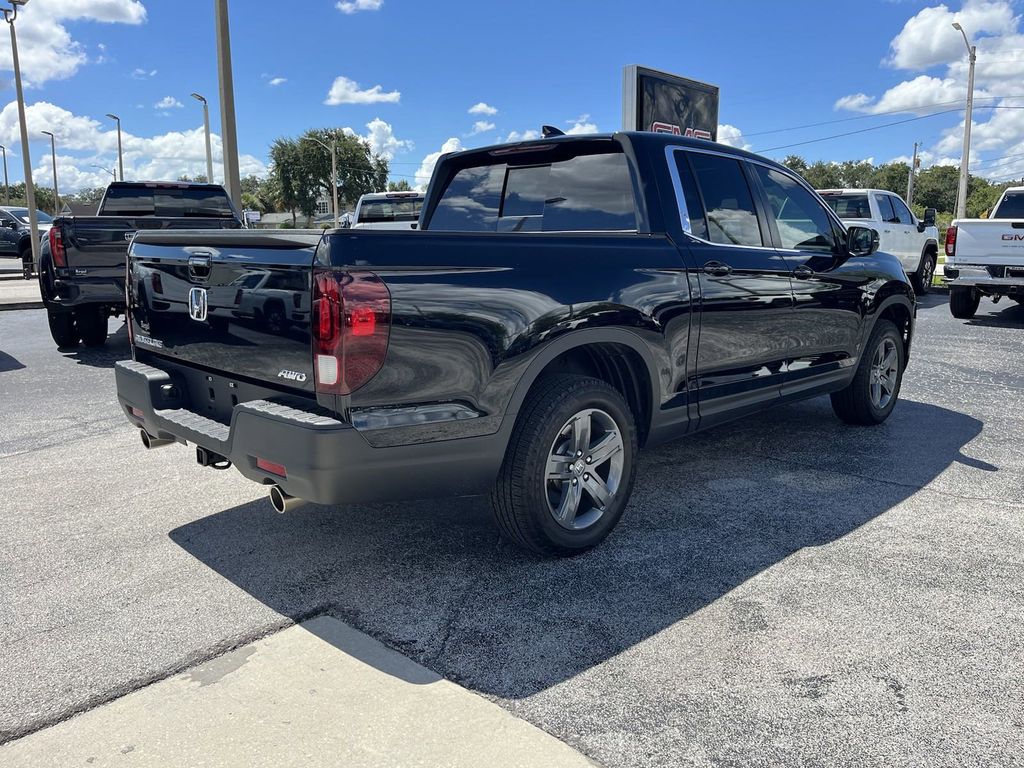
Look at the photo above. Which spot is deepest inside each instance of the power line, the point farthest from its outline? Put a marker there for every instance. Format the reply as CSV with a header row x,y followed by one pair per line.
x,y
861,130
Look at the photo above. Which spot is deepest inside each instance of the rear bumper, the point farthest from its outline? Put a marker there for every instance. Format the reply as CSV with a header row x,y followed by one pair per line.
x,y
327,460
981,277
69,293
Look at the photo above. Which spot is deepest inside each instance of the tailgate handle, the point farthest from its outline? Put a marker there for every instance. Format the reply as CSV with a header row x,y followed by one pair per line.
x,y
1018,225
199,265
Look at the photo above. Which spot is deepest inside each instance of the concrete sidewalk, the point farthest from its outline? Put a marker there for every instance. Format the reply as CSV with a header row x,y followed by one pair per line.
x,y
19,293
317,694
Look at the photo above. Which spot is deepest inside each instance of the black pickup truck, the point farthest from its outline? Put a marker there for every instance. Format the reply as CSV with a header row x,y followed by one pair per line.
x,y
82,259
563,303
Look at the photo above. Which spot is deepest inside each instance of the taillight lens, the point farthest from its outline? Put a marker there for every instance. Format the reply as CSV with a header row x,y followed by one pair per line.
x,y
951,241
57,252
351,324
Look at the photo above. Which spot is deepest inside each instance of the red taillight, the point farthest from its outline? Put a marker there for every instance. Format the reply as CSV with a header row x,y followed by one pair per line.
x,y
951,241
271,467
57,253
158,283
351,324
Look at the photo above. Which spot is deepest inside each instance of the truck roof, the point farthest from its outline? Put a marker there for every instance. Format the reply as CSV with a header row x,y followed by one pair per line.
x,y
165,184
856,191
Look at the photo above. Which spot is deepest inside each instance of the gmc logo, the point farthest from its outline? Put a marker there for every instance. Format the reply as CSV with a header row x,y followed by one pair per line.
x,y
1013,237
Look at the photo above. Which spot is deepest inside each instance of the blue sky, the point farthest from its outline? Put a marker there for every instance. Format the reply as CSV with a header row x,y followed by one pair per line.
x,y
779,65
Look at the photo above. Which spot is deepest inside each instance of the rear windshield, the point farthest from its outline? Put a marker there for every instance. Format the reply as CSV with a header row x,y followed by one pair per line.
x,y
1012,207
582,193
849,206
381,210
167,202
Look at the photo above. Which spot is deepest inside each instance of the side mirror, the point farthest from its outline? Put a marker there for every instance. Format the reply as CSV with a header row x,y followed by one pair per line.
x,y
11,224
929,217
861,241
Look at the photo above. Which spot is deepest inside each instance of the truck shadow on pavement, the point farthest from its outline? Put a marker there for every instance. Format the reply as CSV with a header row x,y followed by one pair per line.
x,y
116,348
1011,316
710,512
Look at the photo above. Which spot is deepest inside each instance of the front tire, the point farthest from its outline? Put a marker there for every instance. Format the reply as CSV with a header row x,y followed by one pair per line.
x,y
92,325
922,280
62,329
871,396
569,467
964,301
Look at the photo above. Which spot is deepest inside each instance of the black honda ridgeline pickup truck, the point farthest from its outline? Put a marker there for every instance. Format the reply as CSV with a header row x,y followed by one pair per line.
x,y
563,303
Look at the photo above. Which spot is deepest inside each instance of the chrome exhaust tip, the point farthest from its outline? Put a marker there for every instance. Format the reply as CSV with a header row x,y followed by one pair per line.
x,y
151,442
282,502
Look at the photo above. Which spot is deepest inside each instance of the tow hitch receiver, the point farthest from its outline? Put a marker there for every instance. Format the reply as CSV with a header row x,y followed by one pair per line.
x,y
210,459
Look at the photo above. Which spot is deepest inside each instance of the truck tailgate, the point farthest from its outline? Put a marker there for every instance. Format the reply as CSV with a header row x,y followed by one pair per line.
x,y
990,242
235,302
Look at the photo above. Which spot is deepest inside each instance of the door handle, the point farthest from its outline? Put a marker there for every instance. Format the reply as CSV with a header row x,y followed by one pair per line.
x,y
803,272
717,269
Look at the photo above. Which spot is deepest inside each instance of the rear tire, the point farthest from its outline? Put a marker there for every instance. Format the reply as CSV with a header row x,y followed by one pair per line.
x,y
62,329
922,279
548,498
26,263
871,396
92,325
964,301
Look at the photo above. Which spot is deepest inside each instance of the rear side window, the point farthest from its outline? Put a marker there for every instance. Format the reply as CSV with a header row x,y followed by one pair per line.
x,y
582,193
885,209
728,204
1012,207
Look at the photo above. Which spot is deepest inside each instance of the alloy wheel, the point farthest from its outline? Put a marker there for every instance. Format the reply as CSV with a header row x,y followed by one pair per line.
x,y
584,469
884,373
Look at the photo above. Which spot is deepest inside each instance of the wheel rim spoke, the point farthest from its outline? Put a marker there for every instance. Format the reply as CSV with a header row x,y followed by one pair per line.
x,y
598,490
581,433
570,503
604,449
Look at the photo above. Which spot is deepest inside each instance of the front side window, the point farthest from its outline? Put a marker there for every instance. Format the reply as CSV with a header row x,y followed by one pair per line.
x,y
901,210
801,220
728,204
580,194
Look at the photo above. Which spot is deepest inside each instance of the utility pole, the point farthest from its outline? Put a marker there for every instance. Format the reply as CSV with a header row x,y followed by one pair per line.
x,y
229,138
910,179
120,157
7,186
333,149
53,154
10,14
961,199
206,128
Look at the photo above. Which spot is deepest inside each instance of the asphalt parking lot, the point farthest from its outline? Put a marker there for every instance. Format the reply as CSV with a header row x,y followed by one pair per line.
x,y
785,589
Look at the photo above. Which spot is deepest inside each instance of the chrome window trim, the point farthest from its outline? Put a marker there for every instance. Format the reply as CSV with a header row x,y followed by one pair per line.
x,y
684,215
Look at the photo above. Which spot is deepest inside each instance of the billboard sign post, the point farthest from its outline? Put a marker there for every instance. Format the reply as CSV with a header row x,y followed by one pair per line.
x,y
666,103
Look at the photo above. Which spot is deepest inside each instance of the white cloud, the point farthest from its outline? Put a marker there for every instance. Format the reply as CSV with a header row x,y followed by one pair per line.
x,y
277,81
580,125
483,108
732,136
529,135
454,144
83,141
354,6
141,74
346,91
168,102
918,95
46,49
482,126
928,38
382,139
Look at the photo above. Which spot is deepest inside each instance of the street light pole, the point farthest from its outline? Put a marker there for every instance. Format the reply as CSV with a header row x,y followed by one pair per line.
x,y
7,186
120,157
228,138
334,172
961,200
206,127
910,179
53,154
104,168
10,15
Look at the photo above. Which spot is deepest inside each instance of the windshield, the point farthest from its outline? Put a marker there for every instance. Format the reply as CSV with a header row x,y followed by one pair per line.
x,y
21,214
1012,207
849,206
167,202
376,211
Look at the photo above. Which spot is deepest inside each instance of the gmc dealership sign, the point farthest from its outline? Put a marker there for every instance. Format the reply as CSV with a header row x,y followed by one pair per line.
x,y
666,103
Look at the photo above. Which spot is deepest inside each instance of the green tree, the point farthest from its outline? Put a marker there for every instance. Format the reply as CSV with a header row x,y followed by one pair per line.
x,y
891,176
399,186
936,187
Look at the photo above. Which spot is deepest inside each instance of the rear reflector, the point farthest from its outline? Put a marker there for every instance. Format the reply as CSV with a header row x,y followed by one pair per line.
x,y
271,467
136,412
351,325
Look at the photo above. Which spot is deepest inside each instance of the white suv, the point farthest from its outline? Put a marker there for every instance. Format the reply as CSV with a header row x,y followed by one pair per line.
x,y
915,243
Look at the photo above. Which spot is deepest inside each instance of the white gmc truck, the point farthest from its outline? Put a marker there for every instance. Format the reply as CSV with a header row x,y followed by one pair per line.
x,y
985,257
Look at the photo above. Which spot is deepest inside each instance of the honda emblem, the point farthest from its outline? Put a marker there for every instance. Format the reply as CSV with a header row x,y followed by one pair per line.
x,y
197,304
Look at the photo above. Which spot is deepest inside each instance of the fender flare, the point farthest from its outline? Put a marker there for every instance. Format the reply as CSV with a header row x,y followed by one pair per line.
x,y
891,300
573,340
